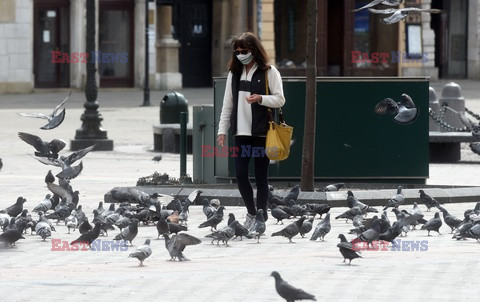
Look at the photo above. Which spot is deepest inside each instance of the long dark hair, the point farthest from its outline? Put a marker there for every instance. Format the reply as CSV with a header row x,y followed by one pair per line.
x,y
248,40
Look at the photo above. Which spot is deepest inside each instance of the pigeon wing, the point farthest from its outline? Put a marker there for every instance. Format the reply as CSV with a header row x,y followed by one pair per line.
x,y
387,106
55,121
48,161
61,104
78,155
382,11
35,115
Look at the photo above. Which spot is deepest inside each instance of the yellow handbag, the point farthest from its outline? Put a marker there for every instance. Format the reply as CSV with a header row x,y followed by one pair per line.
x,y
279,135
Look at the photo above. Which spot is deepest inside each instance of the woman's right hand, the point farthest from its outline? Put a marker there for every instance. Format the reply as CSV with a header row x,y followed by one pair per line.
x,y
221,139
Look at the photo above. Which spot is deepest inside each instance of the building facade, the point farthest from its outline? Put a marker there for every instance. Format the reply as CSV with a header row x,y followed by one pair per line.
x,y
42,42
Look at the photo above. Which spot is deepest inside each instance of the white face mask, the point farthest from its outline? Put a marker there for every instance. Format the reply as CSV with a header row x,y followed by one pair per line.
x,y
245,58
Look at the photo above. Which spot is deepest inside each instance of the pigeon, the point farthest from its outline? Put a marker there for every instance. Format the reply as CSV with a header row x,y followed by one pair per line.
x,y
62,211
429,201
334,187
15,209
288,292
350,214
433,224
177,243
43,148
157,158
320,209
461,232
396,200
293,194
352,201
162,227
9,237
128,234
377,2
84,227
306,227
49,178
393,232
290,230
66,162
240,230
71,221
176,228
475,147
89,236
122,223
44,205
43,228
404,112
142,252
54,119
346,249
258,227
1,164
323,228
208,210
397,15
65,194
224,234
369,235
278,213
213,221
474,232
452,221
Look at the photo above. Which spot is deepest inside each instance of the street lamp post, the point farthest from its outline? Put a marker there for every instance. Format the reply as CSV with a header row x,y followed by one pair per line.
x,y
146,88
91,132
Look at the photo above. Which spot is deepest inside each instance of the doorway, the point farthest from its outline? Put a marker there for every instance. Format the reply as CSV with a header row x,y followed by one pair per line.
x,y
192,22
115,43
51,37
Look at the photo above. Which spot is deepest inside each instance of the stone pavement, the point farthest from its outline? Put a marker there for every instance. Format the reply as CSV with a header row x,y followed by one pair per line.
x,y
238,273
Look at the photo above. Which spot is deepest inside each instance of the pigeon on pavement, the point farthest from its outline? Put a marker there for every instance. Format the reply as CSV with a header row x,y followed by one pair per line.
x,y
397,15
429,201
15,209
278,213
352,201
396,200
433,224
306,227
293,194
9,237
452,221
44,148
323,228
44,205
89,236
290,230
177,243
346,249
129,233
288,292
54,119
350,214
334,187
208,210
142,252
213,221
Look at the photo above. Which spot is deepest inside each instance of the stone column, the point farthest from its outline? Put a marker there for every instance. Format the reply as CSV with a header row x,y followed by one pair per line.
x,y
220,33
236,25
169,76
428,40
473,49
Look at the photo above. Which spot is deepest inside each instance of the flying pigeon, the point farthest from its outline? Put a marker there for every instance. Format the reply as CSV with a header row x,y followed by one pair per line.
x,y
405,112
377,2
323,228
288,292
44,148
142,252
177,243
398,15
346,249
433,224
54,119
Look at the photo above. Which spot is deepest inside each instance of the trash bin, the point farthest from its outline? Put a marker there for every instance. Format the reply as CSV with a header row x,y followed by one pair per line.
x,y
170,107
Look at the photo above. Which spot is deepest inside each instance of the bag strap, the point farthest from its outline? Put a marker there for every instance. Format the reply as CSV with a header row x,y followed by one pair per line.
x,y
280,113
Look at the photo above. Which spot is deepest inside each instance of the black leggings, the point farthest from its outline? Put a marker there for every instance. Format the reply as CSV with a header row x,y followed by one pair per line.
x,y
247,147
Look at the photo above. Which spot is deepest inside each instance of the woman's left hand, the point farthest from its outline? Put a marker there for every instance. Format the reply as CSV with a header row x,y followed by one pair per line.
x,y
254,98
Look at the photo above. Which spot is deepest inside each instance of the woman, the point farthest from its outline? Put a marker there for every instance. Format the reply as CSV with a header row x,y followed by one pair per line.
x,y
245,112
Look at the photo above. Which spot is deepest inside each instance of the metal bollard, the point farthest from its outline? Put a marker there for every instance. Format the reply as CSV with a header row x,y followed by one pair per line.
x,y
452,97
183,144
434,105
